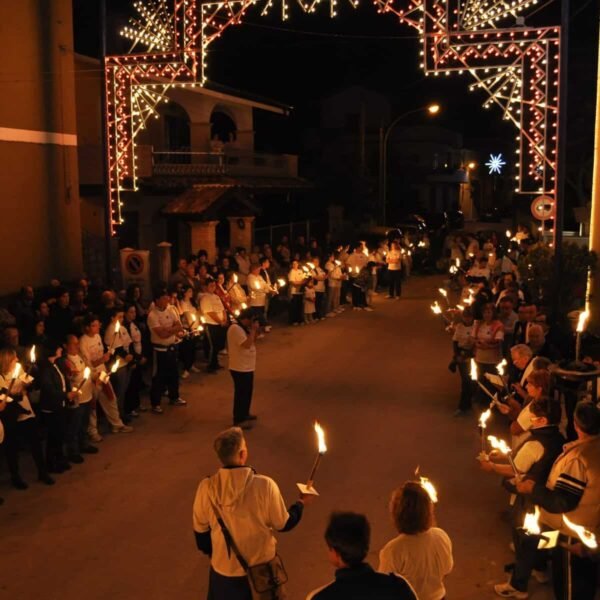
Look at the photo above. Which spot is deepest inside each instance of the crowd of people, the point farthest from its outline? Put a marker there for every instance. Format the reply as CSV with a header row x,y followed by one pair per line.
x,y
517,366
79,360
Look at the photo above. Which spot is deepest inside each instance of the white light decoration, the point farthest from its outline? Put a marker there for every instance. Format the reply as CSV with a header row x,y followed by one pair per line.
x,y
495,164
516,67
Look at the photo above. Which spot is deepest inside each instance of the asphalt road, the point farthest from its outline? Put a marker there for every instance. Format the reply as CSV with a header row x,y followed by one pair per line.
x,y
119,526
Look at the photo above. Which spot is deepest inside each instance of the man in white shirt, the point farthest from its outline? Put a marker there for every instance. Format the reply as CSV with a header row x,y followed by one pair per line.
x,y
252,509
216,324
241,345
165,332
296,280
394,267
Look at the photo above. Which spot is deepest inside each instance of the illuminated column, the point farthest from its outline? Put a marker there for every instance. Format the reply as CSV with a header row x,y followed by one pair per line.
x,y
241,232
594,283
204,237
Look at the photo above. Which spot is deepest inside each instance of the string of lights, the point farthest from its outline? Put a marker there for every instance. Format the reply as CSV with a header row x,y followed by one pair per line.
x,y
517,67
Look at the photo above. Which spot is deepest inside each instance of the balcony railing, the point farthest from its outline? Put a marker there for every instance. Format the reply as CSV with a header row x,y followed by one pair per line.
x,y
153,163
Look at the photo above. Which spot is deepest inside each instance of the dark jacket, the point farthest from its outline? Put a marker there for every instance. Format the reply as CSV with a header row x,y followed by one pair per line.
x,y
553,442
363,583
53,397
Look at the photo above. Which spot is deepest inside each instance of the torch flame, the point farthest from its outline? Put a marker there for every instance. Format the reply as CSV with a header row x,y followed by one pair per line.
x,y
443,292
338,263
236,313
531,523
311,265
235,278
436,308
281,282
16,371
484,417
429,488
474,373
460,307
32,354
583,318
117,326
86,373
586,536
193,318
320,438
457,262
114,368
499,445
202,319
508,233
243,305
500,366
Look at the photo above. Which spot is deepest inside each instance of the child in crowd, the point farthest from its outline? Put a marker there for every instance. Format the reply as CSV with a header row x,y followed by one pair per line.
x,y
310,296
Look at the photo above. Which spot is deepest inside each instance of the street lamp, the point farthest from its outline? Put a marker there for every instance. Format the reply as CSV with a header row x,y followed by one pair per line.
x,y
431,109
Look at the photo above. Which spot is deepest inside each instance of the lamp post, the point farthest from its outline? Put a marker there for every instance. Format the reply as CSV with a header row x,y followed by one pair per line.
x,y
432,109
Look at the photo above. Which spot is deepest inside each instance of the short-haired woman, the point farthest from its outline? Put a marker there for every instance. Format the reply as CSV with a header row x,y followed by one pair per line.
x,y
422,553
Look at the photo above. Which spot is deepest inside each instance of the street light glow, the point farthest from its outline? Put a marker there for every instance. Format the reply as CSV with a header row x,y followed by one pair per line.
x,y
472,165
433,109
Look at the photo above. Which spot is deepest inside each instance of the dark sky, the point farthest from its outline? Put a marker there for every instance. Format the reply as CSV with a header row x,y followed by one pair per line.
x,y
309,56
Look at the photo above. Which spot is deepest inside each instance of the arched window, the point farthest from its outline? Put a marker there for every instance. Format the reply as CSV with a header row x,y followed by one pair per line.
x,y
222,127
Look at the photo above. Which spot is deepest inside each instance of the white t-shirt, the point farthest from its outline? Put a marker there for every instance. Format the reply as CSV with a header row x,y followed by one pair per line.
x,y
77,366
527,455
240,358
393,260
251,506
212,303
19,387
257,289
92,350
423,559
463,335
487,333
296,279
162,318
117,340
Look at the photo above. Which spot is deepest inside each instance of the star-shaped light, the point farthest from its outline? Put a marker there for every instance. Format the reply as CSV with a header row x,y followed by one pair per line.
x,y
495,164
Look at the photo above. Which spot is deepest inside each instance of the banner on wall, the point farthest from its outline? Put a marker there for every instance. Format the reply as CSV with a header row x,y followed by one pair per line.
x,y
135,269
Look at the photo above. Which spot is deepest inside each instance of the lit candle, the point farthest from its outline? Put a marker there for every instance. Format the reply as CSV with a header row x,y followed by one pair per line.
x,y
115,366
581,323
504,449
86,376
531,522
15,374
281,282
483,419
586,536
321,449
115,334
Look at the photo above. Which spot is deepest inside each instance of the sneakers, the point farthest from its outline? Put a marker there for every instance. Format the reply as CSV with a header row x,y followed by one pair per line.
x,y
508,591
388,296
331,314
96,438
157,410
540,576
368,309
134,413
178,402
185,375
122,429
224,351
268,328
195,369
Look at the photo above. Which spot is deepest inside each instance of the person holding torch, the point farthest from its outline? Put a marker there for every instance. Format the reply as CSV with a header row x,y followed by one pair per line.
x,y
245,508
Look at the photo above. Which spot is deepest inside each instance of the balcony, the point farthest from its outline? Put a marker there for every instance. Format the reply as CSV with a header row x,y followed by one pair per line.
x,y
232,163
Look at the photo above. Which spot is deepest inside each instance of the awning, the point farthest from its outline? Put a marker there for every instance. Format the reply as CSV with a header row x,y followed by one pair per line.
x,y
205,200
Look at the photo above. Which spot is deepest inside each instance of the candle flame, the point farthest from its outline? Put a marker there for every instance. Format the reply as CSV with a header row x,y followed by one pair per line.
x,y
460,307
311,265
421,244
436,308
338,263
429,488
320,438
243,305
236,313
86,373
586,536
453,270
531,524
193,318
484,417
443,292
499,445
581,323
500,366
16,371
457,262
508,233
117,326
281,282
474,373
202,319
305,268
235,278
32,354
115,366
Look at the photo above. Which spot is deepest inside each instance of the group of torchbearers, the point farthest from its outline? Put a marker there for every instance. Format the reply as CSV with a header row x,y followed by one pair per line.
x,y
551,467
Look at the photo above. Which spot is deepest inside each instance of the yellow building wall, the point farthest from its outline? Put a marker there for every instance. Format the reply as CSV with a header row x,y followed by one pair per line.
x,y
40,225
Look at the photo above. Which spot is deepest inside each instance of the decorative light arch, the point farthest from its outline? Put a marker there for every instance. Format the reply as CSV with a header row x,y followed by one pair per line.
x,y
517,67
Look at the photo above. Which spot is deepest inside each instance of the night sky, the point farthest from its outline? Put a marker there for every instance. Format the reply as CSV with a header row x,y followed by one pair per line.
x,y
307,57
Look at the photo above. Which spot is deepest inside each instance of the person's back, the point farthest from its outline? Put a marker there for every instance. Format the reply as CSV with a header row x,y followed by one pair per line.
x,y
363,583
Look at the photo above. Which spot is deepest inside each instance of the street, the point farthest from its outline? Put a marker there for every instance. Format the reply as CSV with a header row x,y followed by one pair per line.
x,y
119,526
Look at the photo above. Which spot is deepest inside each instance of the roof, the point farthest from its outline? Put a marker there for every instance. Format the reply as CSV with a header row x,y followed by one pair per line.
x,y
255,184
217,90
205,200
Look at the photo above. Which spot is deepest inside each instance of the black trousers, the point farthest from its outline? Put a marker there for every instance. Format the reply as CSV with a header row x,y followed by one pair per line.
x,y
319,305
56,423
132,395
296,309
466,384
217,336
187,352
480,396
228,588
358,297
243,385
260,313
584,574
23,431
165,375
395,281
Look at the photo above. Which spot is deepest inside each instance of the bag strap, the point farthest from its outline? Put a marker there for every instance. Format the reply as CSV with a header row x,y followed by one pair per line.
x,y
228,537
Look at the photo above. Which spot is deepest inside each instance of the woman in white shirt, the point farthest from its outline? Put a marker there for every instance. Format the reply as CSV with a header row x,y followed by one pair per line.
x,y
19,422
334,285
296,280
421,553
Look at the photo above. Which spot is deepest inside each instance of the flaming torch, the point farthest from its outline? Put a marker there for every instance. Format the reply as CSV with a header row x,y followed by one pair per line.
x,y
531,523
31,357
504,449
500,367
281,282
15,375
115,366
437,310
115,334
483,419
587,537
581,323
86,375
444,293
308,488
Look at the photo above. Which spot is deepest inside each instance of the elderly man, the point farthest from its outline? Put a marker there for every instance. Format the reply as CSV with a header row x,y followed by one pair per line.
x,y
539,345
521,356
571,490
250,507
217,322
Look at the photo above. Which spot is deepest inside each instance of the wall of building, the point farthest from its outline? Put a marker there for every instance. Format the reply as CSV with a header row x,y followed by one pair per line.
x,y
38,176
